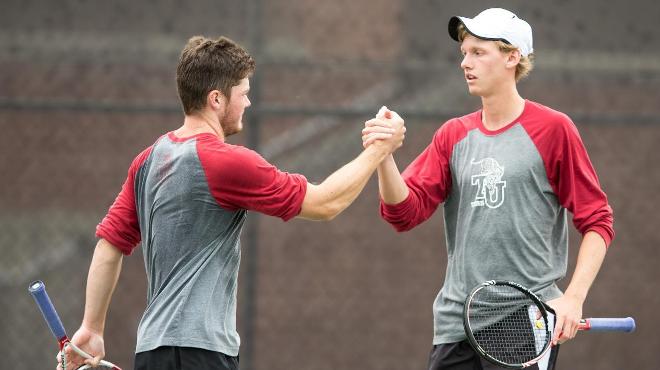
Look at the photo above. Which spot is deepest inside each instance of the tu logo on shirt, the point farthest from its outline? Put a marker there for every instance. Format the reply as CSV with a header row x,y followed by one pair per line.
x,y
490,187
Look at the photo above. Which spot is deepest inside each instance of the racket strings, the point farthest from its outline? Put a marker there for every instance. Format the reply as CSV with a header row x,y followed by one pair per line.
x,y
507,324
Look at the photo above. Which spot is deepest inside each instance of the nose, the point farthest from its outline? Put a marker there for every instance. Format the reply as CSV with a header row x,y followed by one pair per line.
x,y
249,103
465,63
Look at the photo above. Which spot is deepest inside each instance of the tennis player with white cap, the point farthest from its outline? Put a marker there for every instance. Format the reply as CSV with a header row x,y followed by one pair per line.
x,y
506,175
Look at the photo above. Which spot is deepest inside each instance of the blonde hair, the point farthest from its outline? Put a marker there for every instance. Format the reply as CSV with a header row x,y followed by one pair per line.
x,y
526,63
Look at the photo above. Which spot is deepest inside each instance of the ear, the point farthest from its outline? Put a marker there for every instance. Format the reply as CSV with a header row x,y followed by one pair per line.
x,y
513,58
216,99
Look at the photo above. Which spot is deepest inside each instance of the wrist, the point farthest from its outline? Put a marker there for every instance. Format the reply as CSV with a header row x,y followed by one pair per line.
x,y
379,149
388,160
576,296
95,328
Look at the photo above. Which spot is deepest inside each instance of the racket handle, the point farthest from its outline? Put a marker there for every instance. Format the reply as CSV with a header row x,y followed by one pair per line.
x,y
38,291
608,324
84,354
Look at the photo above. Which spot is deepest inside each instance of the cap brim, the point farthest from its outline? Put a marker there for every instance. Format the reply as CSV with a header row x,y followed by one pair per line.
x,y
472,27
454,22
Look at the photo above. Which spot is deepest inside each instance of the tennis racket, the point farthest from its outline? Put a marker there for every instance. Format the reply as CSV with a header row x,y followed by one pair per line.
x,y
38,291
510,326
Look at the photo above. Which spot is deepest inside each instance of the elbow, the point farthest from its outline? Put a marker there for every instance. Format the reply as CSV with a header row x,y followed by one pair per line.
x,y
329,211
400,223
600,223
108,252
320,205
320,212
401,228
327,217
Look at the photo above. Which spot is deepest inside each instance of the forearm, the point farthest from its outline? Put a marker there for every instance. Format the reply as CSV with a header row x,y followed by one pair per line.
x,y
101,281
590,258
392,188
340,189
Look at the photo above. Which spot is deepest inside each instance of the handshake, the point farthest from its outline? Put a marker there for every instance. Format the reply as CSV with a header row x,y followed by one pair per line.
x,y
386,130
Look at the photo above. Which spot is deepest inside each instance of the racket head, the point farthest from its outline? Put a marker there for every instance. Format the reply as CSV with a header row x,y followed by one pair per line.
x,y
507,324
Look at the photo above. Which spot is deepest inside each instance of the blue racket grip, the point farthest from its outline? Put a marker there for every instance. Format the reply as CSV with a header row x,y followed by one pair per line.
x,y
38,291
611,324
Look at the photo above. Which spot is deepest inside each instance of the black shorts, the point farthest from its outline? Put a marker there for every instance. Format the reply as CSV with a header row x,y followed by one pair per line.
x,y
461,356
184,358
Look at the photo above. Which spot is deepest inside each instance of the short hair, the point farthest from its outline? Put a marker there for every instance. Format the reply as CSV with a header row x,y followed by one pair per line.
x,y
526,63
206,65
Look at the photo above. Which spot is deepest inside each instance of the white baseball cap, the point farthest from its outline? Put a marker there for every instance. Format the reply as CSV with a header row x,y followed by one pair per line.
x,y
496,24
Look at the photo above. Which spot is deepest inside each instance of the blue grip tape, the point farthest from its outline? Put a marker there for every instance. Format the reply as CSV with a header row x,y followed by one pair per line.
x,y
609,324
38,291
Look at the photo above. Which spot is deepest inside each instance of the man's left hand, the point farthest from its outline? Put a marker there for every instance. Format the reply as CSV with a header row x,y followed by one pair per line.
x,y
568,311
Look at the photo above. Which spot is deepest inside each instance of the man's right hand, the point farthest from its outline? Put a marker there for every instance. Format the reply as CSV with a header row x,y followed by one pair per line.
x,y
386,129
90,342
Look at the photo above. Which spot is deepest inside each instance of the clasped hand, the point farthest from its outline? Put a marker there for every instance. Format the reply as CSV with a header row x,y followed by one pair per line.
x,y
386,129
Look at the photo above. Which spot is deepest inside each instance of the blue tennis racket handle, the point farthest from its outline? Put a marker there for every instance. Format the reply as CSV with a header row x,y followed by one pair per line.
x,y
38,291
610,324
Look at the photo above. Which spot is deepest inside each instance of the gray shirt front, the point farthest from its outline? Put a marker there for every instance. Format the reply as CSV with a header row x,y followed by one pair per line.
x,y
502,222
506,196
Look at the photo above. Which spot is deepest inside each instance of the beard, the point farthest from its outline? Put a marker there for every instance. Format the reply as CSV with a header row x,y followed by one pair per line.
x,y
231,123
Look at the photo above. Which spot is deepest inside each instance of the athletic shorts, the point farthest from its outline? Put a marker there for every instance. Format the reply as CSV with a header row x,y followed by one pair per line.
x,y
461,356
184,358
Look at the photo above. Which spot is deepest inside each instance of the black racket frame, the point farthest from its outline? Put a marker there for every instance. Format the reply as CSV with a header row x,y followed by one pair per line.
x,y
543,308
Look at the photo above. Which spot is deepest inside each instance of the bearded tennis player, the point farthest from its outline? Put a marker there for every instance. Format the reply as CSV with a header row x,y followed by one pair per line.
x,y
186,199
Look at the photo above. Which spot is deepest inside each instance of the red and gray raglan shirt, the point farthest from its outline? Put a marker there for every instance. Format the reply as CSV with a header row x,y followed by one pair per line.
x,y
505,197
185,200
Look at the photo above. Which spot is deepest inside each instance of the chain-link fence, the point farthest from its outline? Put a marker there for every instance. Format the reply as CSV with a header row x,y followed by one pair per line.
x,y
85,86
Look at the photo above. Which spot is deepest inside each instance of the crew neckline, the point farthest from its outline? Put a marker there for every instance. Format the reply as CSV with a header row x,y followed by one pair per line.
x,y
486,131
178,139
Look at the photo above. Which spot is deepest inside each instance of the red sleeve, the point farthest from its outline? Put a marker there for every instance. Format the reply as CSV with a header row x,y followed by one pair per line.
x,y
573,177
120,226
429,181
239,178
